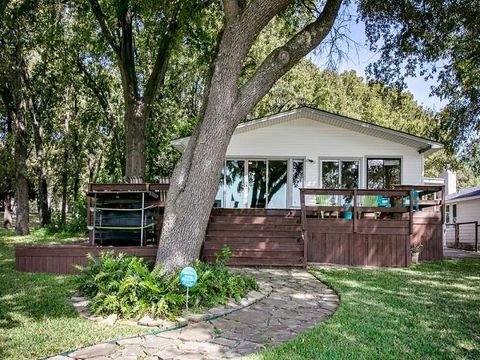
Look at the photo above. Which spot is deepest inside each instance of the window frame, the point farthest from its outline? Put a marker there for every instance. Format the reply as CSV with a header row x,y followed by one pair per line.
x,y
340,159
383,158
246,159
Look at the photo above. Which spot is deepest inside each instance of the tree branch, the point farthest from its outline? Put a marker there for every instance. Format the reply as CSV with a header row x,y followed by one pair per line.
x,y
157,76
231,8
93,86
283,58
102,20
257,15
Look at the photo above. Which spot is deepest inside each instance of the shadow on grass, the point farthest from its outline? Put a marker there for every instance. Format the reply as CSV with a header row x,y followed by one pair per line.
x,y
429,311
29,295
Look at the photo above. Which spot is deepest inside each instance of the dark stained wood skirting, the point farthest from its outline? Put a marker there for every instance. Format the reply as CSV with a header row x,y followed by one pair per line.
x,y
274,238
63,258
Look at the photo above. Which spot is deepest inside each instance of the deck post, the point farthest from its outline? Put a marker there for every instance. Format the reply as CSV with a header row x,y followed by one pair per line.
x,y
94,218
411,211
143,220
457,235
354,211
303,220
476,236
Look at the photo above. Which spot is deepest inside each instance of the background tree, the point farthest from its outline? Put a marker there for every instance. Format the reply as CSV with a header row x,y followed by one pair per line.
x,y
140,89
437,39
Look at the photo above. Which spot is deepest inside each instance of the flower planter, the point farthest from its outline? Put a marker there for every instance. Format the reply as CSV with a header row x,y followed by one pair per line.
x,y
415,257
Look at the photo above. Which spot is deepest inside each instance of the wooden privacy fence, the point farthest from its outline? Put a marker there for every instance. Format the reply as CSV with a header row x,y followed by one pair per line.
x,y
358,231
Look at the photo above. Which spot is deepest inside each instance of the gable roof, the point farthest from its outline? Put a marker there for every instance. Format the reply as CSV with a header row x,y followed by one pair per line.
x,y
423,145
465,194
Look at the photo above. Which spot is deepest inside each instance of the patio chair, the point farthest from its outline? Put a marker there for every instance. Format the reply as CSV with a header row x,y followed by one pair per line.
x,y
325,200
369,201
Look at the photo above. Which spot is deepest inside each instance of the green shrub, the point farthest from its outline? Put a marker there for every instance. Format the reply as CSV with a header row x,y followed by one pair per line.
x,y
75,223
127,286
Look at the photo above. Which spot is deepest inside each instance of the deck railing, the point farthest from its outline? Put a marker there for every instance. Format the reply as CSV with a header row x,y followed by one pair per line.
x,y
392,209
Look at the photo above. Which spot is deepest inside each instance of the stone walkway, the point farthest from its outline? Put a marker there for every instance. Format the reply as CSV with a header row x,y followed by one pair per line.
x,y
460,254
297,303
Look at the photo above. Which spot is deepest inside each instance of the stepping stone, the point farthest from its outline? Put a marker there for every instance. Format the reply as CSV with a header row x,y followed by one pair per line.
x,y
103,349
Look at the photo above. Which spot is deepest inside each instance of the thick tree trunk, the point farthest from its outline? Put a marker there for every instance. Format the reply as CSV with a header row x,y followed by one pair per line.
x,y
135,133
192,191
7,213
43,208
63,216
21,188
195,178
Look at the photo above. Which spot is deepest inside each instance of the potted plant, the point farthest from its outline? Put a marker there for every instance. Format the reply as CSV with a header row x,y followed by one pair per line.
x,y
415,252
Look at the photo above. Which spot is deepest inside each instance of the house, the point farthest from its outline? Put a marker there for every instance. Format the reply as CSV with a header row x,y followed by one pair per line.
x,y
462,216
269,159
269,210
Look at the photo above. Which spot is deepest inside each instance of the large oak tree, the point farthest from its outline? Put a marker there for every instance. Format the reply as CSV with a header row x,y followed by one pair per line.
x,y
228,98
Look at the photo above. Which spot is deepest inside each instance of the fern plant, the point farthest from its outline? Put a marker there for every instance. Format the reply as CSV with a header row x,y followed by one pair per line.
x,y
129,287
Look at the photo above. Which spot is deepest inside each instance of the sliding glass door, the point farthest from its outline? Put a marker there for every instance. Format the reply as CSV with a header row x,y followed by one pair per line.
x,y
257,183
277,184
260,183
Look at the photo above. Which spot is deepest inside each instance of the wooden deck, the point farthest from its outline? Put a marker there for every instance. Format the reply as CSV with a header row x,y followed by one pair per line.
x,y
291,237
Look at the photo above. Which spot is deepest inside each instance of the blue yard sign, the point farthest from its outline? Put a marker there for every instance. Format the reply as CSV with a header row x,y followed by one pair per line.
x,y
188,278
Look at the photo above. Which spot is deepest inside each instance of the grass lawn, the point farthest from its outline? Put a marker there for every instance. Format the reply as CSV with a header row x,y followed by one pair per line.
x,y
36,317
430,311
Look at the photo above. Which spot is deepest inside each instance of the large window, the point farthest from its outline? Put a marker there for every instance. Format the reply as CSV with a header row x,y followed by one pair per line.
x,y
339,174
383,173
260,183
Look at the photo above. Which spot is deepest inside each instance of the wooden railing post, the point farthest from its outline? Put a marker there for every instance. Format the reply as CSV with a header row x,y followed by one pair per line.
x,y
303,220
411,212
476,236
457,235
354,211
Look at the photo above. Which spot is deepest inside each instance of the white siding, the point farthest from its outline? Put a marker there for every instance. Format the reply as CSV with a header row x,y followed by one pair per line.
x,y
311,139
467,210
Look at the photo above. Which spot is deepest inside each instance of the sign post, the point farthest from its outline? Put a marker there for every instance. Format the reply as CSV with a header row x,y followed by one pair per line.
x,y
188,278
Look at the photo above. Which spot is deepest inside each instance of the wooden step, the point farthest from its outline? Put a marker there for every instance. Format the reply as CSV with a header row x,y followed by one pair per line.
x,y
254,234
254,227
261,245
249,240
253,220
241,261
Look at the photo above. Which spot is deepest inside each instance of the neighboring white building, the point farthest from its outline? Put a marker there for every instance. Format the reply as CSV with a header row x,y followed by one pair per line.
x,y
270,158
461,207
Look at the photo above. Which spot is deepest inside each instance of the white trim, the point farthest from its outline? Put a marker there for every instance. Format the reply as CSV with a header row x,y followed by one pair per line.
x,y
425,146
454,200
340,159
380,157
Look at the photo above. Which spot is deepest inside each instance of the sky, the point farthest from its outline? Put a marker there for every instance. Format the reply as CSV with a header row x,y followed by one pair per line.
x,y
359,56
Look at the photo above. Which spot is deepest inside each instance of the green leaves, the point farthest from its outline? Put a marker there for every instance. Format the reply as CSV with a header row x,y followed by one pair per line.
x,y
126,285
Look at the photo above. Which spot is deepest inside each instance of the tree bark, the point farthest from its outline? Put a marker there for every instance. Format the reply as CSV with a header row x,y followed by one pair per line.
x,y
21,155
42,201
136,132
195,178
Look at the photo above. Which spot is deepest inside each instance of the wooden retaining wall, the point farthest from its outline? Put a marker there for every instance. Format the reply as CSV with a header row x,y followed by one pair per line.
x,y
62,259
256,236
